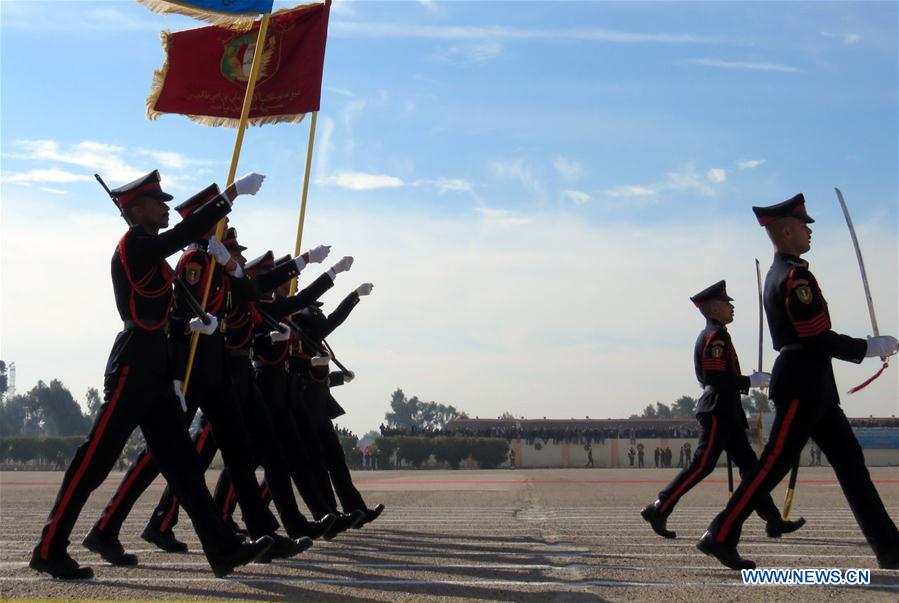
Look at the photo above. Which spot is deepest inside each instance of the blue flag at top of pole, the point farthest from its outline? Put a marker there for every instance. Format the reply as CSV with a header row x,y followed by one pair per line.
x,y
219,12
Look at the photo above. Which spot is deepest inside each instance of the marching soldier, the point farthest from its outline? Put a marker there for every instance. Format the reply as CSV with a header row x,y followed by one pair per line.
x,y
210,389
720,414
322,408
138,388
241,319
805,396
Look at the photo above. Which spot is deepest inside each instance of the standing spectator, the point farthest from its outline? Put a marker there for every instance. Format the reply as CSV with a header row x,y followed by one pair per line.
x,y
656,455
590,457
631,453
640,448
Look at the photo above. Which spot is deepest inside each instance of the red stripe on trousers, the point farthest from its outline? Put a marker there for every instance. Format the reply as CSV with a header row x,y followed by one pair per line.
x,y
228,500
170,514
769,464
705,457
101,427
121,493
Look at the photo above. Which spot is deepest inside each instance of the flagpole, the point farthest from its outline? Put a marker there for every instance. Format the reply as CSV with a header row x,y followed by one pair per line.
x,y
232,171
302,220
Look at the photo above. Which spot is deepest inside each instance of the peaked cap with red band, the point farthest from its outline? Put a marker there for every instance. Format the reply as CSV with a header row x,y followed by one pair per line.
x,y
717,291
263,263
794,207
230,240
197,201
145,186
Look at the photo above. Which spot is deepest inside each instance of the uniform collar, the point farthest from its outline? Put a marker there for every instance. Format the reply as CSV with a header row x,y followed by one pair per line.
x,y
789,257
714,324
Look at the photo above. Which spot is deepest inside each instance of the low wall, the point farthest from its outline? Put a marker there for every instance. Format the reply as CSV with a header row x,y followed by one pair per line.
x,y
613,453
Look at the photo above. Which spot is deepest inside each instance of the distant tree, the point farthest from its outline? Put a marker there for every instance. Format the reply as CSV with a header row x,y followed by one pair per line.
x,y
649,412
683,407
507,416
4,379
93,401
411,412
663,411
632,417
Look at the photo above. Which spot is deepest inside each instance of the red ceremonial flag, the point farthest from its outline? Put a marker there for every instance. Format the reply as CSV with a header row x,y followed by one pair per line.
x,y
206,70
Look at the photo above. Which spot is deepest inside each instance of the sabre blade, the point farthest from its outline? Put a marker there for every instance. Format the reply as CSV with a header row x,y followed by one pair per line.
x,y
861,262
758,278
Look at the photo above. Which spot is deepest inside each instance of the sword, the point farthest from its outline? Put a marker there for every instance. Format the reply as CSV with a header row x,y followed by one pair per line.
x,y
730,476
867,287
788,502
758,278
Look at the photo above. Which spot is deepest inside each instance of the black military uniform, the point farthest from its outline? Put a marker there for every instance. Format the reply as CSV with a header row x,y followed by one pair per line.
x,y
138,392
720,413
210,389
808,406
271,361
316,404
242,318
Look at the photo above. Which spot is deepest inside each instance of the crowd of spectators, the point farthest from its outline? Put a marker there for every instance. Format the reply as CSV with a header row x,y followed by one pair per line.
x,y
555,435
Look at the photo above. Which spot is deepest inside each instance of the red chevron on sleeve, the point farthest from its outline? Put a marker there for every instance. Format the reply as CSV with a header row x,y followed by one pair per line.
x,y
814,326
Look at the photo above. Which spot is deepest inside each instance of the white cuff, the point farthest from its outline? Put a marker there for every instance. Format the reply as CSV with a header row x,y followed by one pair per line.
x,y
300,262
332,274
237,272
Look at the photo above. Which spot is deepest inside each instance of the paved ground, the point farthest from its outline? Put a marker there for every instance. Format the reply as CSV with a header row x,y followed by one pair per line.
x,y
500,535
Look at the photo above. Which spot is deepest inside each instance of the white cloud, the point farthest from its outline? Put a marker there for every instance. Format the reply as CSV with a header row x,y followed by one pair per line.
x,y
716,175
102,158
848,39
578,197
519,170
472,54
496,32
741,65
627,191
750,164
502,217
55,191
685,180
446,185
52,175
361,181
568,169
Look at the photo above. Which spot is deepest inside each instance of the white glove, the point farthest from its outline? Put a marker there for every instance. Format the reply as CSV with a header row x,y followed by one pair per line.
x,y
282,335
218,251
318,254
248,184
343,265
757,379
320,360
882,346
348,376
364,289
197,325
179,391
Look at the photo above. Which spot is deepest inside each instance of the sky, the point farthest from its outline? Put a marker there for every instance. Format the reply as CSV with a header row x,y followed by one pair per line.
x,y
535,189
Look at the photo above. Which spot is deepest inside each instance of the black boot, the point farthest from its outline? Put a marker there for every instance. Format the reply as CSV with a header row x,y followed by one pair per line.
x,y
775,529
284,548
657,520
234,527
108,547
164,540
889,559
315,529
245,552
60,566
370,515
725,553
344,522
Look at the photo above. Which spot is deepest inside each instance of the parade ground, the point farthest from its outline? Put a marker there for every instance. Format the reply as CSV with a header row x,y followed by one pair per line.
x,y
506,535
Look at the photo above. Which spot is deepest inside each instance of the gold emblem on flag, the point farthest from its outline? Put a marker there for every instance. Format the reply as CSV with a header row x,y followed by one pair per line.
x,y
237,58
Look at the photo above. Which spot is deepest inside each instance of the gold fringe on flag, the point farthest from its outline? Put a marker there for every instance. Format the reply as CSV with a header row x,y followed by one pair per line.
x,y
231,20
205,120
